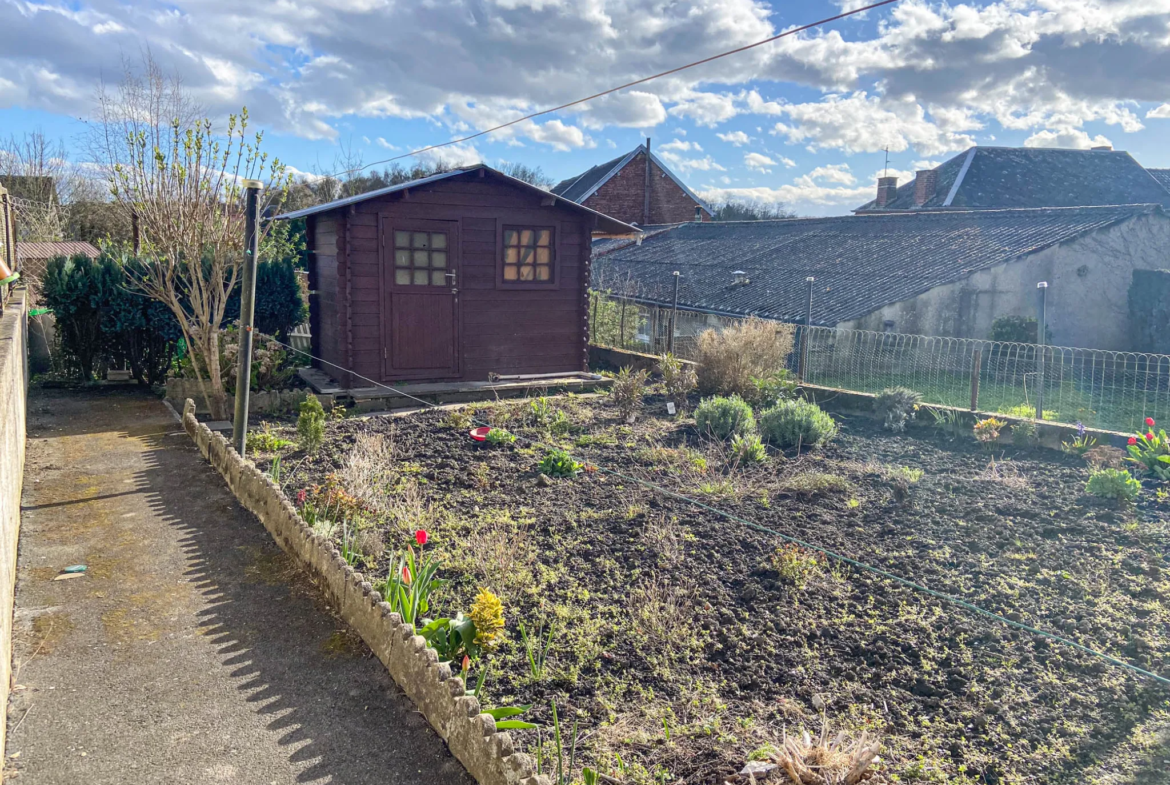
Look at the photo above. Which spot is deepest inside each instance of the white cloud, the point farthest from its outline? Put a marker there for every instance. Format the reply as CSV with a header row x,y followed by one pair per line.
x,y
708,109
676,161
794,195
1161,112
832,173
737,138
682,146
381,142
557,135
1069,137
787,162
758,162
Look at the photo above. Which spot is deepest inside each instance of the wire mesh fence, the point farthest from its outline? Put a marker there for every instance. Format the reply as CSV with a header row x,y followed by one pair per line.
x,y
1100,388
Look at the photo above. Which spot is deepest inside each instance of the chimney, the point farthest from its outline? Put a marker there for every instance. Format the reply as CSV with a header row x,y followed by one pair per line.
x,y
924,183
887,190
698,214
740,278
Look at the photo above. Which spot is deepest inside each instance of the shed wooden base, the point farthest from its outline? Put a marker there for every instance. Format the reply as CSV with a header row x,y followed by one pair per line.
x,y
370,399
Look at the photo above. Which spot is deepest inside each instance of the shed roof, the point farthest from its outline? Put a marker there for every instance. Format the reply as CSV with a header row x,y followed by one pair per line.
x,y
997,178
604,223
584,185
860,263
51,250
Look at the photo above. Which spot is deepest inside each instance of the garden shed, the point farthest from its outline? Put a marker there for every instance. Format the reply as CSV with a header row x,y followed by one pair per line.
x,y
461,276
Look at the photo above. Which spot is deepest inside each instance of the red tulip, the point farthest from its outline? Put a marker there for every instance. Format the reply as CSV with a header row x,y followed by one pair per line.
x,y
405,575
1150,421
466,663
420,537
301,495
1150,436
1132,440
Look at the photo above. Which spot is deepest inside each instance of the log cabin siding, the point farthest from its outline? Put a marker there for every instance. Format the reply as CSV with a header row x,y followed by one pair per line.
x,y
499,329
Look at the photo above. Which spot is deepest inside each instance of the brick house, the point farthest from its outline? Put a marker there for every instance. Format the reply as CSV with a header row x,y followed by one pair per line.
x,y
635,188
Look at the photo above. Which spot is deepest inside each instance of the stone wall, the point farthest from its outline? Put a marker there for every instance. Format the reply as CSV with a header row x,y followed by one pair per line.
x,y
13,394
487,754
274,402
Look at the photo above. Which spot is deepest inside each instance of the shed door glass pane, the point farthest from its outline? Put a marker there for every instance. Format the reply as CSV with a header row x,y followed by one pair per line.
x,y
415,253
529,254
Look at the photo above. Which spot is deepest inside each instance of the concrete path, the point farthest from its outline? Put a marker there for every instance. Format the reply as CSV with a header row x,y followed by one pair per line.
x,y
192,651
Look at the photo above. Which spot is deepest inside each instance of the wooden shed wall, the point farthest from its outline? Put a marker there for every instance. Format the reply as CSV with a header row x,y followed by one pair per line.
x,y
504,331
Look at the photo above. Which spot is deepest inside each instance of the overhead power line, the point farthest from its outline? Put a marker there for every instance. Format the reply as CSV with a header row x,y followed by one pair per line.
x,y
611,90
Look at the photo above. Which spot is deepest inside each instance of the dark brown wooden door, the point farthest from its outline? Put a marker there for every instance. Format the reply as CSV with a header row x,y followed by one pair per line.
x,y
420,271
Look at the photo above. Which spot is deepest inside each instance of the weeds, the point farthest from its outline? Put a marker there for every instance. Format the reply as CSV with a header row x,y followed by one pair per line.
x,y
629,386
536,649
797,565
841,761
311,424
265,439
498,437
1005,473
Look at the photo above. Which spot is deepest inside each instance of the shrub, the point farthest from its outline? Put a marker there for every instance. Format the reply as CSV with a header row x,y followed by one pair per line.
x,y
987,431
749,349
311,424
279,305
1024,433
76,289
747,448
769,389
725,417
896,406
1017,329
796,423
628,388
1116,484
558,463
138,331
678,379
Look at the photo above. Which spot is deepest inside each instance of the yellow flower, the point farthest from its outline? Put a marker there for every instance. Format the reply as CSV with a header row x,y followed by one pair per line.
x,y
487,613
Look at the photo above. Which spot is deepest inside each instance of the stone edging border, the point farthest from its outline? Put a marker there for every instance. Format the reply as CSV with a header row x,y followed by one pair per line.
x,y
487,754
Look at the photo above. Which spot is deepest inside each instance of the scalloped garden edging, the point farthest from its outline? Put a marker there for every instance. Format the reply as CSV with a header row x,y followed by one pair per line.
x,y
487,754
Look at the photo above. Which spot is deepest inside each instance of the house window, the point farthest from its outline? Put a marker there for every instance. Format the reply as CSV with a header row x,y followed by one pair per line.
x,y
420,258
528,255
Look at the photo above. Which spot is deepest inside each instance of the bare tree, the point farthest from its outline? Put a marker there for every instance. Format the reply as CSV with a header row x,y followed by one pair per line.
x,y
183,180
34,170
733,210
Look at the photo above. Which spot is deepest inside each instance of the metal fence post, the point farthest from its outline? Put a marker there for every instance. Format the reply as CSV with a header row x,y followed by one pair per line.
x,y
1041,327
247,311
673,315
804,334
976,367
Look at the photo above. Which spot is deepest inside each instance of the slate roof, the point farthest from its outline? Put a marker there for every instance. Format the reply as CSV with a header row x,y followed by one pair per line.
x,y
997,178
51,250
861,263
1162,176
605,223
584,185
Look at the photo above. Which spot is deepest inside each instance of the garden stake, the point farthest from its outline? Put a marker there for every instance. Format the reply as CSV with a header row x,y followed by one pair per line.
x,y
1040,343
247,313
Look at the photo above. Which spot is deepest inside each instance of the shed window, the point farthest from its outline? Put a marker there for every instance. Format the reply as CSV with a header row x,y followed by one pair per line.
x,y
420,258
529,254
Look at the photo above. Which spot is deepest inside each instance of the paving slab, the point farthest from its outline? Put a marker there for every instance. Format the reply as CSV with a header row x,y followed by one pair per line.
x,y
192,650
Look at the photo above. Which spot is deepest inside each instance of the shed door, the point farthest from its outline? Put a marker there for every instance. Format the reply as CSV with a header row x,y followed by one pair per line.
x,y
420,268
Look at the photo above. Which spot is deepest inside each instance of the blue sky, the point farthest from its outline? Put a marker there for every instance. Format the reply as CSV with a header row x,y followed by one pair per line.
x,y
802,122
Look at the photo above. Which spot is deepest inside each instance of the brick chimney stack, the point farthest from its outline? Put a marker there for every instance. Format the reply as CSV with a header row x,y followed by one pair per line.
x,y
887,190
924,185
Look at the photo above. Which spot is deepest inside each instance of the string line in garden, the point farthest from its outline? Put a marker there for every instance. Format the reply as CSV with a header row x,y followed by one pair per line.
x,y
956,601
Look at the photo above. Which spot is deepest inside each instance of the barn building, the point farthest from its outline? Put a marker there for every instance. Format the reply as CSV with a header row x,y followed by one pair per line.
x,y
461,276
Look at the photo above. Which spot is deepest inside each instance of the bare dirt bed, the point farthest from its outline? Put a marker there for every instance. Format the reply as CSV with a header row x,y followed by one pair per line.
x,y
686,643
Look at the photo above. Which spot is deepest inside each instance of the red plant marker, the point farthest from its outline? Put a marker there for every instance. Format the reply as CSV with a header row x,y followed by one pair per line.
x,y
1132,440
420,537
1150,421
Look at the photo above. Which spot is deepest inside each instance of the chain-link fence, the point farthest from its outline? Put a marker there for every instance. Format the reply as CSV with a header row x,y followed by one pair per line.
x,y
1102,389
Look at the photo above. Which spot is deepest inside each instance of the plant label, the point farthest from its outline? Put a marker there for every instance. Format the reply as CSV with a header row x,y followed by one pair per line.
x,y
670,407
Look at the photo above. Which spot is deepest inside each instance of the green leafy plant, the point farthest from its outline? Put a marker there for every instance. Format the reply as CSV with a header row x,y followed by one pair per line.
x,y
945,420
563,773
628,388
558,463
767,390
274,470
479,632
748,448
264,439
1080,444
349,551
896,406
987,431
1026,411
796,423
501,715
678,379
411,582
1116,484
725,417
536,649
1151,451
1024,433
311,424
498,436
